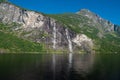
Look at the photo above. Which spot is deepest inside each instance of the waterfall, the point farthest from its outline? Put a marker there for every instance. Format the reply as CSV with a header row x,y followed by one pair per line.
x,y
54,35
69,41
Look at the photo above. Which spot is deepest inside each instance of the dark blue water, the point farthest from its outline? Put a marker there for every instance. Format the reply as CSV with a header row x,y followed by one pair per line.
x,y
59,67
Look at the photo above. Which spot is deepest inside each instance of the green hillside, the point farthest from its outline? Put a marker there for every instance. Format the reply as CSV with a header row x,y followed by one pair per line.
x,y
14,37
11,43
108,43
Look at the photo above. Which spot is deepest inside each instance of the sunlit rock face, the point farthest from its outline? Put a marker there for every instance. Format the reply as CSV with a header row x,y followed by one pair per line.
x,y
80,38
28,19
40,28
83,41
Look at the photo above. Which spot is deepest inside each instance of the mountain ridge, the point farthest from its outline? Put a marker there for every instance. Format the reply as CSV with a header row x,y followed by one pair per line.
x,y
64,32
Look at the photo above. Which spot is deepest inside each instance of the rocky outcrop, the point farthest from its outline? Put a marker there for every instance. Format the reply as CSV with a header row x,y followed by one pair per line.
x,y
97,21
42,29
28,19
83,41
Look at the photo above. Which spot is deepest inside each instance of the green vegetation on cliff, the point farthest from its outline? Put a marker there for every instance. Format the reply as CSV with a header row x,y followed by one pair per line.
x,y
108,43
11,43
20,32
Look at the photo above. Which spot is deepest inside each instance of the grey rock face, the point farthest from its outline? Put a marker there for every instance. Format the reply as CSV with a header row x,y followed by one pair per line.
x,y
28,19
96,19
39,28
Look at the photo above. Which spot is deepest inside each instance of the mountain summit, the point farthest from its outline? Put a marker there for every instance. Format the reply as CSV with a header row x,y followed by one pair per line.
x,y
86,12
76,33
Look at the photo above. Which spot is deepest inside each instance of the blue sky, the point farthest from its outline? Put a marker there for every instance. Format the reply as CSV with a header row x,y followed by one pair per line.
x,y
108,9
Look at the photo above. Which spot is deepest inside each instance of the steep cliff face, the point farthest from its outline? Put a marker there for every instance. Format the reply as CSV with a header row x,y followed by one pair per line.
x,y
104,34
42,29
84,31
97,21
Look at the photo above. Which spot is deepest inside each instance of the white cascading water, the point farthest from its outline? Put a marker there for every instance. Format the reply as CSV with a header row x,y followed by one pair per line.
x,y
69,41
54,35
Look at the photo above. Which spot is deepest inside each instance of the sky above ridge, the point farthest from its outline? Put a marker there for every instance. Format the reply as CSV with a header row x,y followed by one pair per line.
x,y
107,9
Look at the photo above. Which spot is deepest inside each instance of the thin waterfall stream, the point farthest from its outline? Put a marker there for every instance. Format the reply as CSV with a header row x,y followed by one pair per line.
x,y
69,41
54,36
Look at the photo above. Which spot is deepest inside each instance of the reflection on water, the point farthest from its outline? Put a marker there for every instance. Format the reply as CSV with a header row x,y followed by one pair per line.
x,y
70,58
59,67
54,65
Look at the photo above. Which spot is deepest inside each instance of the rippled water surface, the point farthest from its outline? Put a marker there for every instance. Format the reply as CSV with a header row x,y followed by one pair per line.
x,y
59,67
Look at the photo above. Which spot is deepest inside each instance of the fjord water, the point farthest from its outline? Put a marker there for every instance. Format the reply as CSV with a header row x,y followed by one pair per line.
x,y
59,67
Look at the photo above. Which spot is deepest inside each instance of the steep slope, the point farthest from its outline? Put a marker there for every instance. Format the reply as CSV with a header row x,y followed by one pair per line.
x,y
39,28
104,34
86,20
11,43
81,32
